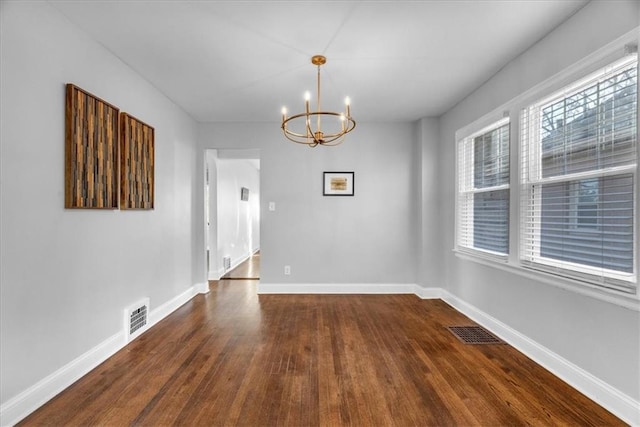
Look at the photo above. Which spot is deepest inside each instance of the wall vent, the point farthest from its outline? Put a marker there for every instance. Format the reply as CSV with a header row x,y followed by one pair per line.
x,y
226,263
136,319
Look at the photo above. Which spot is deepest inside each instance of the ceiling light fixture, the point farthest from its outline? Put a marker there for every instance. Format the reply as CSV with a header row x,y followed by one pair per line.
x,y
306,133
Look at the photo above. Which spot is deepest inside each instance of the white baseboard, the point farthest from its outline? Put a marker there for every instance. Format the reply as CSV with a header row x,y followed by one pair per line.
x,y
202,288
336,288
610,398
350,288
38,394
44,390
428,293
215,275
170,306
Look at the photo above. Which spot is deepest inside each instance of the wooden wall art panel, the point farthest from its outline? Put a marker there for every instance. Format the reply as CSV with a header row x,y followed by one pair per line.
x,y
136,163
91,151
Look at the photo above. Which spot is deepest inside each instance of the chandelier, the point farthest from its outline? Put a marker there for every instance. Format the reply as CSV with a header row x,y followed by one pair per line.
x,y
305,128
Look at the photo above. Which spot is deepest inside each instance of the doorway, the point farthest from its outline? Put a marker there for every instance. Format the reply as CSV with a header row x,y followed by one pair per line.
x,y
232,212
247,270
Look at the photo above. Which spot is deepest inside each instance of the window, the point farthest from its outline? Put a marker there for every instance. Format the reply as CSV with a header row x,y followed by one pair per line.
x,y
483,191
579,166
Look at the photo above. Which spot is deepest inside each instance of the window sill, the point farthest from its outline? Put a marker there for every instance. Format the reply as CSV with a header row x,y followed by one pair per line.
x,y
629,301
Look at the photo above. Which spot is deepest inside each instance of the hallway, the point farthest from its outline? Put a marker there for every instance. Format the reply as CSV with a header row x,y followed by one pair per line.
x,y
246,270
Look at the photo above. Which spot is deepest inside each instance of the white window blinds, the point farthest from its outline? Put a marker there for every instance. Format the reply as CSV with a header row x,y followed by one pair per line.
x,y
579,166
483,191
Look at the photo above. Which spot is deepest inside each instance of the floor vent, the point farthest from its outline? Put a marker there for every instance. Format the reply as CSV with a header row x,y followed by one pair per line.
x,y
474,335
226,263
136,319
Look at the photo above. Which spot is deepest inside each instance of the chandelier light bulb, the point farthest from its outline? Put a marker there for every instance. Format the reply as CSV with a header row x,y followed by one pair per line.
x,y
307,98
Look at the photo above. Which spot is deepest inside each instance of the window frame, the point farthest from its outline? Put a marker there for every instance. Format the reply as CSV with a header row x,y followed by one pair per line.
x,y
623,46
530,198
464,156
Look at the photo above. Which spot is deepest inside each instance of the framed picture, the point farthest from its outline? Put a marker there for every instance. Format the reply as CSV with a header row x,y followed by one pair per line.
x,y
91,151
338,184
244,194
137,160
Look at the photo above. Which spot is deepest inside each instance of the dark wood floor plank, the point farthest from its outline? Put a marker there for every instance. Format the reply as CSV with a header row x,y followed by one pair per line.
x,y
232,357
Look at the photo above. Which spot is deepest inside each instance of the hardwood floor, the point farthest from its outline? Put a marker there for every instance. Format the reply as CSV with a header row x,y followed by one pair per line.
x,y
248,270
232,357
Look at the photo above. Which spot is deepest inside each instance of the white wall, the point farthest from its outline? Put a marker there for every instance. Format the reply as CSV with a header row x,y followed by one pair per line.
x,y
600,337
370,238
238,222
430,272
67,275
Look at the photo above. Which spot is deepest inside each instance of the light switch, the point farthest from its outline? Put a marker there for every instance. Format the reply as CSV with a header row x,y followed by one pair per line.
x,y
272,206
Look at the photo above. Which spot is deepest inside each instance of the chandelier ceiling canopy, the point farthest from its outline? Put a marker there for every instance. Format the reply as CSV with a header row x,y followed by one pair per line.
x,y
306,128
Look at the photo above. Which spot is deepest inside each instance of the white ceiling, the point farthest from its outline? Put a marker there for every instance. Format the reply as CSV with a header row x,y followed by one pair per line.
x,y
244,60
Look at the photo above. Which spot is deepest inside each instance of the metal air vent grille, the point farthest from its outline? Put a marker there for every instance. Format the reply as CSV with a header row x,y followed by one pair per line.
x,y
474,335
136,318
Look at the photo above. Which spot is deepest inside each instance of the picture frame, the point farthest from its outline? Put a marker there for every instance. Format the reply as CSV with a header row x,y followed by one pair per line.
x,y
244,194
91,151
137,162
338,184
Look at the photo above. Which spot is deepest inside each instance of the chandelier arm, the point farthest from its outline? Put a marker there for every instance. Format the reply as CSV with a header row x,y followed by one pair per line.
x,y
327,138
302,140
333,136
330,138
330,142
333,144
310,133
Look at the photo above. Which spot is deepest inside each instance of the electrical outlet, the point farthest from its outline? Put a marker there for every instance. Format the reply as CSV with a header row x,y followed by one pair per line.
x,y
287,270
